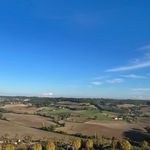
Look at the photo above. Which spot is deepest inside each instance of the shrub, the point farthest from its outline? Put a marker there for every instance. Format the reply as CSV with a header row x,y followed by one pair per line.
x,y
76,144
9,147
37,147
28,138
50,146
145,146
89,144
126,145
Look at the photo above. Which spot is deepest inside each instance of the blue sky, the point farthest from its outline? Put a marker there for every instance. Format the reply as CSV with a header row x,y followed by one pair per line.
x,y
75,48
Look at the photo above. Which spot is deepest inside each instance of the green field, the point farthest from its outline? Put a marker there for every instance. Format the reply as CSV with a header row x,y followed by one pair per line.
x,y
93,114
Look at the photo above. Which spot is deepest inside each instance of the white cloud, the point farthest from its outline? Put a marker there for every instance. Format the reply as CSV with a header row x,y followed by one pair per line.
x,y
137,63
134,76
116,80
130,67
96,82
48,94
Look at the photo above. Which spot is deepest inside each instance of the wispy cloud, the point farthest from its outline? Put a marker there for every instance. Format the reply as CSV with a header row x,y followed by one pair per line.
x,y
116,80
137,63
48,94
96,82
130,67
134,76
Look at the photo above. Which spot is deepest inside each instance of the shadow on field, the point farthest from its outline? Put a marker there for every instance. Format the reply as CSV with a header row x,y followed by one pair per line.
x,y
137,135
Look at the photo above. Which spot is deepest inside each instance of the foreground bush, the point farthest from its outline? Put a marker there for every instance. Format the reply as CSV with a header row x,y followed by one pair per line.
x,y
9,147
89,144
76,144
37,147
123,145
126,145
145,146
50,146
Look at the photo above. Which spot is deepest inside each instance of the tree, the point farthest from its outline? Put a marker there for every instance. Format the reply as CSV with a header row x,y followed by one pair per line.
x,y
17,136
28,138
37,147
145,145
113,143
89,144
118,146
6,137
9,147
125,144
50,146
1,115
77,144
148,129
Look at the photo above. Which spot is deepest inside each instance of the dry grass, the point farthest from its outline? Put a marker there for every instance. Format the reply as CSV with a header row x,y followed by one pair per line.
x,y
20,108
126,105
101,128
146,110
26,125
28,120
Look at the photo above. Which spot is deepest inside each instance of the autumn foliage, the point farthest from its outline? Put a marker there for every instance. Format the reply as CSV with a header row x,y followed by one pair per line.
x,y
50,146
76,144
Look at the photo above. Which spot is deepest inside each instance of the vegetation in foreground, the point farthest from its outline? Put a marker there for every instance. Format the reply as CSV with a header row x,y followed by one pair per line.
x,y
97,143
